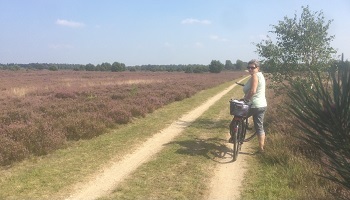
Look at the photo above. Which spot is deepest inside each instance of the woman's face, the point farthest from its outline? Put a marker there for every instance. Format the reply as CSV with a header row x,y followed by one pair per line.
x,y
252,69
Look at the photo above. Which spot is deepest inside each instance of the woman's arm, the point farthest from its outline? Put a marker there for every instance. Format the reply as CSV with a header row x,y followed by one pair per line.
x,y
254,86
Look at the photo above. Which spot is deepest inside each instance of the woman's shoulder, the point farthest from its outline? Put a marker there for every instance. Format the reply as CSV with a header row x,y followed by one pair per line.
x,y
255,75
259,74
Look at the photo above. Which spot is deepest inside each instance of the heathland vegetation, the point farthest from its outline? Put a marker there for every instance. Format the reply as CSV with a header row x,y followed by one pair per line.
x,y
42,110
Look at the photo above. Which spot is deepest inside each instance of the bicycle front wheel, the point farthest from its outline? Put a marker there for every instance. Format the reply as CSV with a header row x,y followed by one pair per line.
x,y
235,128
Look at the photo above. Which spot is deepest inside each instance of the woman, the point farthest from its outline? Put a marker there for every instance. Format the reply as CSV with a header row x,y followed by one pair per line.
x,y
254,91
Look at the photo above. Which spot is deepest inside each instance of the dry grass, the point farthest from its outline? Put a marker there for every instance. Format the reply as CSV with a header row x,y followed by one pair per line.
x,y
287,169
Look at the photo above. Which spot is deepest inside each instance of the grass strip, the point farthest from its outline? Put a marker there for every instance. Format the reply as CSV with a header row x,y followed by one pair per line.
x,y
51,176
284,173
184,168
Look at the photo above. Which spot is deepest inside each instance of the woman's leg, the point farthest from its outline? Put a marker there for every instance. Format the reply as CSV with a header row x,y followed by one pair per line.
x,y
261,141
258,118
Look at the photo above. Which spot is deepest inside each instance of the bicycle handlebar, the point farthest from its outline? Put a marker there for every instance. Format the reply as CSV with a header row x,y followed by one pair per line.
x,y
241,84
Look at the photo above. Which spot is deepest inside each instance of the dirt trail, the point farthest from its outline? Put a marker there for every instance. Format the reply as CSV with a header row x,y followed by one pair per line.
x,y
106,181
228,177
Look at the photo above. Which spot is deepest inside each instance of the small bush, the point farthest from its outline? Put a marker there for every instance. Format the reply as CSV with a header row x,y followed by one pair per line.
x,y
65,95
15,116
42,139
10,150
137,111
83,128
120,116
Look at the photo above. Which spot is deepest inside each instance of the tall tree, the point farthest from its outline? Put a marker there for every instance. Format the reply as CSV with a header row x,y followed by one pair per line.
x,y
302,44
105,66
118,67
216,66
229,65
302,57
89,67
239,64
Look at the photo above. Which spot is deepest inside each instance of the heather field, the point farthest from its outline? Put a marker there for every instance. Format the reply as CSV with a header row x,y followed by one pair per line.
x,y
42,110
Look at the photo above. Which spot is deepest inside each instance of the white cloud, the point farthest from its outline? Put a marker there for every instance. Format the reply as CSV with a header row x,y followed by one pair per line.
x,y
63,22
218,38
195,21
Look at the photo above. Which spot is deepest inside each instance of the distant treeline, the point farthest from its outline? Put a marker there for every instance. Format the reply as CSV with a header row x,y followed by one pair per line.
x,y
214,66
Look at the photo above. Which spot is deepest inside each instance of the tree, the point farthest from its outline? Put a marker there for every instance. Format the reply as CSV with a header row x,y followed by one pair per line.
x,y
302,44
229,65
118,67
89,67
105,67
53,68
319,89
216,66
239,65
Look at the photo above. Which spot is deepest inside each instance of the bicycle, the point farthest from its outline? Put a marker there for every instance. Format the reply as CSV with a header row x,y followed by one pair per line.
x,y
239,124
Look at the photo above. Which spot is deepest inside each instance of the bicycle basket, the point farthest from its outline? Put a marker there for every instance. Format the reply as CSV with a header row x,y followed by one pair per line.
x,y
239,108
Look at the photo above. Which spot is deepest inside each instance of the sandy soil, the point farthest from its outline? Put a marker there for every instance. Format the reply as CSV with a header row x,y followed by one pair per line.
x,y
229,175
225,184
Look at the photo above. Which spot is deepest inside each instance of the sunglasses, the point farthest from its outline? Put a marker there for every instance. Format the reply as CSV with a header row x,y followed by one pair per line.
x,y
251,67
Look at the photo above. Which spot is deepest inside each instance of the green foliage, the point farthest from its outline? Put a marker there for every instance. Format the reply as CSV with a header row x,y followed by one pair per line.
x,y
324,116
90,67
196,69
53,68
104,67
191,68
229,65
300,58
239,64
118,67
301,44
216,66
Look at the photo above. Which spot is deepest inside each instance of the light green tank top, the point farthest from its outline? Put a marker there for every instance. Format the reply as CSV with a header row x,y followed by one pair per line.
x,y
258,99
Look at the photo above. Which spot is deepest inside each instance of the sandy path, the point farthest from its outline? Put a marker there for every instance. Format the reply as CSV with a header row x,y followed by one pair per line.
x,y
228,177
105,182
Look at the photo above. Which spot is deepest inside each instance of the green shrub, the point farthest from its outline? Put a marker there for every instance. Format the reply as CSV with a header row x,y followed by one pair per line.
x,y
324,116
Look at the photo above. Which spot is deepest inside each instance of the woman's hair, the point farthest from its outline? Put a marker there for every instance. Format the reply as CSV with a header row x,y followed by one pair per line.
x,y
254,62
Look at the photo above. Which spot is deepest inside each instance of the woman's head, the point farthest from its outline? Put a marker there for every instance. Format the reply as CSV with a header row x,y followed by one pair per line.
x,y
254,62
253,66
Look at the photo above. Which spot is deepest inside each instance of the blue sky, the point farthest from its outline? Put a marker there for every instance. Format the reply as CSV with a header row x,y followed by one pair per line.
x,y
137,32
